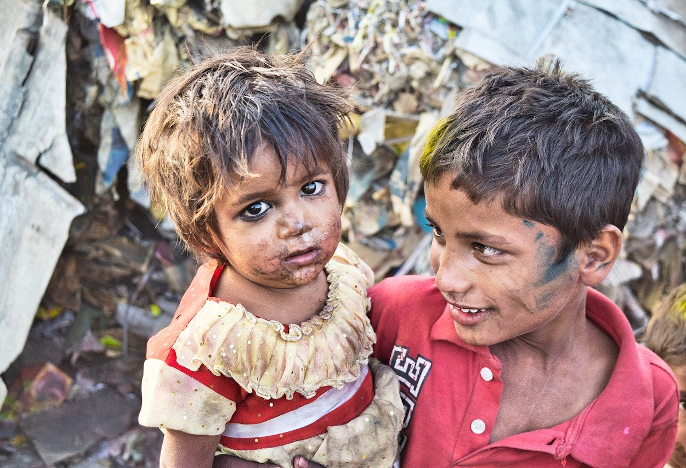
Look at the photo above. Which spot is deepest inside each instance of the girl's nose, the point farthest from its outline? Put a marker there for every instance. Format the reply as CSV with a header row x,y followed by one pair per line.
x,y
294,223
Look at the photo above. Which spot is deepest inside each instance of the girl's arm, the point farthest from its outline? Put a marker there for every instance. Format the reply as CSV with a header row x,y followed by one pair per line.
x,y
183,450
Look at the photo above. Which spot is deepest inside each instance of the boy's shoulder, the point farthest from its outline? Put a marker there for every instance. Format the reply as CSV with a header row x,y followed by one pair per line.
x,y
403,296
642,383
665,385
406,288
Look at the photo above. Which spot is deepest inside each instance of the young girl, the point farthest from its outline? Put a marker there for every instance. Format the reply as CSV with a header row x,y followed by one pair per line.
x,y
666,336
267,355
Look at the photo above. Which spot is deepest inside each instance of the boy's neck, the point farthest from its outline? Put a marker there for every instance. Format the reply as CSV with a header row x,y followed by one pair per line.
x,y
551,379
551,342
287,305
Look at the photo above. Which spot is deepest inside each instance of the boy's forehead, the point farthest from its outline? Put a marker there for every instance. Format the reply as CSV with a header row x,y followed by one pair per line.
x,y
451,206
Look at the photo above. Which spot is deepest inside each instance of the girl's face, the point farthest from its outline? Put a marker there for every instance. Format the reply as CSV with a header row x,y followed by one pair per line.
x,y
279,234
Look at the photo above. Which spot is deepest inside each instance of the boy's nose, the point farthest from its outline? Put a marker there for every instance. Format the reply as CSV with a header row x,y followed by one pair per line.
x,y
452,277
294,224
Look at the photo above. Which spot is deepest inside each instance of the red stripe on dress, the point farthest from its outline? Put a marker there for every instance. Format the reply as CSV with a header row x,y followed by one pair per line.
x,y
224,386
254,410
341,415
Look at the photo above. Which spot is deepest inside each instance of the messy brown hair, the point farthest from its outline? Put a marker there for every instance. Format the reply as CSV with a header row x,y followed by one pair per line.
x,y
553,148
207,124
666,332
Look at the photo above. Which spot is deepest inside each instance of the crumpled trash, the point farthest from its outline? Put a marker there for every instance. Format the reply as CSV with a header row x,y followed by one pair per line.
x,y
45,387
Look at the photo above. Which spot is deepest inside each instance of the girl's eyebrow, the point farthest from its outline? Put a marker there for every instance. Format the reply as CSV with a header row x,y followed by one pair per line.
x,y
249,196
317,171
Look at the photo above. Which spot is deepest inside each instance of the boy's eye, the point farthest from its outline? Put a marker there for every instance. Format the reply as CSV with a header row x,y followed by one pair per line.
x,y
485,250
682,405
255,210
436,230
313,188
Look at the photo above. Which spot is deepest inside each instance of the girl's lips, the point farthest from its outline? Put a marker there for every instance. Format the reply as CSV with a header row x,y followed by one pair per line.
x,y
466,317
303,258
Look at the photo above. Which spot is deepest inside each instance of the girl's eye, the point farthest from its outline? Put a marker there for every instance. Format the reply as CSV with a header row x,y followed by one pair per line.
x,y
313,188
486,251
255,210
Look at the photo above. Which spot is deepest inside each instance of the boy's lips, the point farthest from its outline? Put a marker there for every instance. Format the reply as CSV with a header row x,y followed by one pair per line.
x,y
468,316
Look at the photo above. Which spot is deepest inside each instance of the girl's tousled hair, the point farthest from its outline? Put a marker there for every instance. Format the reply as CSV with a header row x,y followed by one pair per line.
x,y
207,124
666,332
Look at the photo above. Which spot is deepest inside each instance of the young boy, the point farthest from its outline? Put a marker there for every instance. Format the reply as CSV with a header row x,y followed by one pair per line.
x,y
666,336
508,357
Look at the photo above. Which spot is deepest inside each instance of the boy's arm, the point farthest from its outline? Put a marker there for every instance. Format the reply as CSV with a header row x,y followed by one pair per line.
x,y
182,450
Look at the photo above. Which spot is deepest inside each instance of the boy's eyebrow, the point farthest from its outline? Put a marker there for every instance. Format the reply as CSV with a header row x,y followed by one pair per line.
x,y
479,236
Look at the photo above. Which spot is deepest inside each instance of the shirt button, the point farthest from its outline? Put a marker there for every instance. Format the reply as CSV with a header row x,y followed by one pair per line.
x,y
478,426
486,374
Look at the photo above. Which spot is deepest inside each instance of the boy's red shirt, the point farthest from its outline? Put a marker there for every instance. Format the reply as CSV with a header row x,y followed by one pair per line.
x,y
451,392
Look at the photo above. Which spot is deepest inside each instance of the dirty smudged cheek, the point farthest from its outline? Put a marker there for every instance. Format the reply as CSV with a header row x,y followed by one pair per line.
x,y
551,269
547,286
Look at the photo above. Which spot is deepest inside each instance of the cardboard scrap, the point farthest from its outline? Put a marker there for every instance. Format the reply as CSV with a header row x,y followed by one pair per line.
x,y
104,414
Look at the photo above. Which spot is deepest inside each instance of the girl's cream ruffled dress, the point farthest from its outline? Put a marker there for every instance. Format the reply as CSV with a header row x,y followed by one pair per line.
x,y
262,364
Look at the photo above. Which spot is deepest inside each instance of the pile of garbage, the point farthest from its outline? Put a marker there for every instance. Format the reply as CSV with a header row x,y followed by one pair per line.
x,y
91,269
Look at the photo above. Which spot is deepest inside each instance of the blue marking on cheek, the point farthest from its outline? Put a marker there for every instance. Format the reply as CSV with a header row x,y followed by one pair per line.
x,y
528,223
538,236
553,269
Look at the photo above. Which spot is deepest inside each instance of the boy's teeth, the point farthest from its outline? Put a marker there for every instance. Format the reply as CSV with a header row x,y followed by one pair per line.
x,y
467,311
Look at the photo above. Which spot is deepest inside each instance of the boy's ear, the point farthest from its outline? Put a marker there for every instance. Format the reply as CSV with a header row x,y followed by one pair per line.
x,y
597,257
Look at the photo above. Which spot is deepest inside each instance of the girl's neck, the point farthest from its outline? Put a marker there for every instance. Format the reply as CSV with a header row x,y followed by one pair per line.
x,y
287,306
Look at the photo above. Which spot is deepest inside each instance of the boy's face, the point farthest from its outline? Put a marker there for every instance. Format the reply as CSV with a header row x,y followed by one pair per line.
x,y
279,235
498,272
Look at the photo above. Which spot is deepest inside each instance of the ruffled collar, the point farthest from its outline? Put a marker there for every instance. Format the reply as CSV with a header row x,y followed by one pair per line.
x,y
273,361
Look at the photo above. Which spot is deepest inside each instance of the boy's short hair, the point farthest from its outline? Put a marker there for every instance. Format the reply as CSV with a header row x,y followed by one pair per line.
x,y
207,124
556,151
666,332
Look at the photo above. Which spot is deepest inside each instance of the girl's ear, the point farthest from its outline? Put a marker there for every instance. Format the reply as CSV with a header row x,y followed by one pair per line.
x,y
597,257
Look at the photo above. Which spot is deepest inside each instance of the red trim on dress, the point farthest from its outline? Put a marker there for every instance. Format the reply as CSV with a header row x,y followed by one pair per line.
x,y
226,387
213,283
341,415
